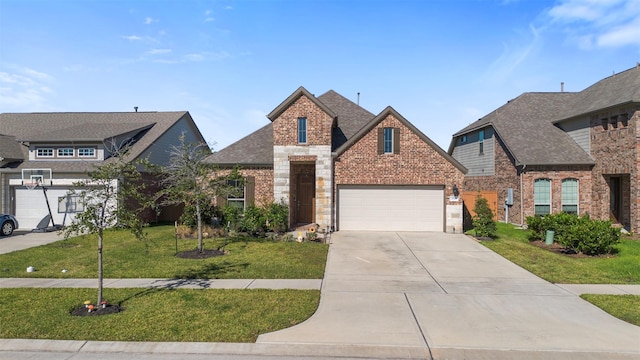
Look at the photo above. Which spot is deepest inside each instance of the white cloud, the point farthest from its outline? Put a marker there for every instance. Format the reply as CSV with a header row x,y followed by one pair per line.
x,y
193,57
132,37
599,23
209,19
24,89
158,51
149,20
512,56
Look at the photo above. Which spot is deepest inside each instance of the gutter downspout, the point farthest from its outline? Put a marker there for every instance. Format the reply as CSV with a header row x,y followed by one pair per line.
x,y
522,196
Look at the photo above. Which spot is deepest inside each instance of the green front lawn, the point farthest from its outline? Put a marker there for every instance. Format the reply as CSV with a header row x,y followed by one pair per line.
x,y
624,307
621,268
127,257
153,314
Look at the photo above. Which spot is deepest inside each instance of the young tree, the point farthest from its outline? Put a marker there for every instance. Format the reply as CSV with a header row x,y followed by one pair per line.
x,y
189,180
107,197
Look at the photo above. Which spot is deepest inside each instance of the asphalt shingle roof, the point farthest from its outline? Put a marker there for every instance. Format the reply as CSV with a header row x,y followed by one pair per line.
x,y
86,126
10,148
524,125
257,148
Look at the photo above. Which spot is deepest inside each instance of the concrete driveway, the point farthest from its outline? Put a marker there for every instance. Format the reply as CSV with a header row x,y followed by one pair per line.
x,y
446,296
23,239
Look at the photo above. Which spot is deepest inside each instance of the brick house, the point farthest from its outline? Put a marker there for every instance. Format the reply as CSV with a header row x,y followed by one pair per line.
x,y
544,153
337,165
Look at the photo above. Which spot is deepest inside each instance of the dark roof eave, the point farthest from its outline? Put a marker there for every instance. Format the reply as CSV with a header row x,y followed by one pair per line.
x,y
519,163
230,165
597,110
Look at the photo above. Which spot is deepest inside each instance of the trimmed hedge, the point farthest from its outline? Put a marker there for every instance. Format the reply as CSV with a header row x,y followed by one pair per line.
x,y
578,233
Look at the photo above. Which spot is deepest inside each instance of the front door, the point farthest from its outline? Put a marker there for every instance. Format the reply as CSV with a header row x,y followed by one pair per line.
x,y
615,199
305,189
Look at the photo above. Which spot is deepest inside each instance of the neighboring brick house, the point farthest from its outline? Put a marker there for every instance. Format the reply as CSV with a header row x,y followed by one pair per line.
x,y
58,149
574,152
339,166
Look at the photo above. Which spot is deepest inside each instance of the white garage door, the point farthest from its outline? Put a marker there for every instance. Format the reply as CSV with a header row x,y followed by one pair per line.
x,y
31,207
391,208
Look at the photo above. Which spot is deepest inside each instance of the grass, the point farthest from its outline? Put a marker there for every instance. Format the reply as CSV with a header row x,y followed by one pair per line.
x,y
154,314
126,257
624,307
621,268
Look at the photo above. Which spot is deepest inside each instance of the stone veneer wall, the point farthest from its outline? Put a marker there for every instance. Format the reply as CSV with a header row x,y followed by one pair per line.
x,y
506,176
616,150
417,164
282,156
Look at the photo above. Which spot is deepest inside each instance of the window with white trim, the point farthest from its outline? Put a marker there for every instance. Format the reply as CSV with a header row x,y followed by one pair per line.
x,y
570,196
70,204
86,152
66,152
542,196
44,152
237,198
481,141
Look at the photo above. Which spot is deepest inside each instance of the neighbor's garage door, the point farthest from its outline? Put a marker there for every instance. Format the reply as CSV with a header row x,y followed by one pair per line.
x,y
391,208
31,207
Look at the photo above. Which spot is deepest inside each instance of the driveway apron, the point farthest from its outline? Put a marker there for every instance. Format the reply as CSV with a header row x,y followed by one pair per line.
x,y
450,295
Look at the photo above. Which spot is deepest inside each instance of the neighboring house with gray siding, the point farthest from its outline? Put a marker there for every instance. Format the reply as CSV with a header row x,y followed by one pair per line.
x,y
59,149
574,152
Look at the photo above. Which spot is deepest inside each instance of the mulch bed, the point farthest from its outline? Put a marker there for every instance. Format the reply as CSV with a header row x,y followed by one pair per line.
x,y
109,309
195,254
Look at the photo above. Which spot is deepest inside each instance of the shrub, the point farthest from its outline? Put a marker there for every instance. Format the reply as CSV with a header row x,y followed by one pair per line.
x,y
231,216
483,222
277,217
189,216
253,220
578,233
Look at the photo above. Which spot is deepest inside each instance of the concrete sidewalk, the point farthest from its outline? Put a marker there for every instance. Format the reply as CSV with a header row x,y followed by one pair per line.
x,y
298,284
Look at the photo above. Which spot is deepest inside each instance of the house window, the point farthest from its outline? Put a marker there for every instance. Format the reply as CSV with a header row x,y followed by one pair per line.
x,y
388,141
44,152
302,130
542,196
70,204
614,122
65,152
237,196
86,152
481,141
570,196
463,139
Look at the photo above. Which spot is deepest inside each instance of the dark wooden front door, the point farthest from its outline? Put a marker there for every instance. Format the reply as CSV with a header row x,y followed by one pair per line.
x,y
615,199
305,195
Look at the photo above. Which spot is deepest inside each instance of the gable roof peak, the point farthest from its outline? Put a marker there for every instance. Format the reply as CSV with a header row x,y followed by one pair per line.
x,y
301,91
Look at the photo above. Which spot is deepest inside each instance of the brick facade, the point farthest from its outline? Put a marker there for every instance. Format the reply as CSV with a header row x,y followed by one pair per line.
x,y
615,146
417,164
556,174
288,154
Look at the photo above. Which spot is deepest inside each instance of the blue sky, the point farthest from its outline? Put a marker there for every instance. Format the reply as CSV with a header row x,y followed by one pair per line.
x,y
441,64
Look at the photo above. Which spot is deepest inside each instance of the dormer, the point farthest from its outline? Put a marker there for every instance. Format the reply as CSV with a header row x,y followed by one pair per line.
x,y
302,120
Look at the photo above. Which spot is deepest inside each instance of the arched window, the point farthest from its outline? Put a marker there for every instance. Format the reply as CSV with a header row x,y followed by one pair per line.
x,y
542,196
570,196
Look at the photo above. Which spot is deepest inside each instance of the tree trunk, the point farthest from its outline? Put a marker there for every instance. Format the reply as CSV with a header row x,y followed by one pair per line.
x,y
100,273
200,244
